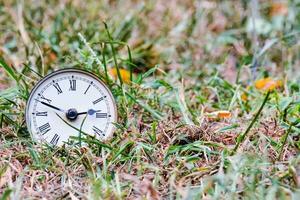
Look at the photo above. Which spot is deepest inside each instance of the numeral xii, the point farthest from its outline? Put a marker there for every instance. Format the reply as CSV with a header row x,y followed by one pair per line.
x,y
73,85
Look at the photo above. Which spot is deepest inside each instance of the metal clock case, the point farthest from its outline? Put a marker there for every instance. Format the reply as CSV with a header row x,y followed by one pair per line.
x,y
69,100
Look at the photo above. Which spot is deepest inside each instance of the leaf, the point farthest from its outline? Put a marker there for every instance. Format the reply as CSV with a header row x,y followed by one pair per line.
x,y
268,45
150,71
4,174
6,194
35,157
123,148
156,114
8,69
9,93
284,103
226,128
182,106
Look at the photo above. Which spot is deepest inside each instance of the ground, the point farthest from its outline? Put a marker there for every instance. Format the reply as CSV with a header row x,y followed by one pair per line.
x,y
208,98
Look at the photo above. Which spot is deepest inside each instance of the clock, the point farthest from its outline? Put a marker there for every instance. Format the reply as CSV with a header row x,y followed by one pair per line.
x,y
70,102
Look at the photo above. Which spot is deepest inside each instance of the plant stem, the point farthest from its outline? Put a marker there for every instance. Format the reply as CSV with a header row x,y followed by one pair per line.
x,y
114,54
80,130
242,137
284,141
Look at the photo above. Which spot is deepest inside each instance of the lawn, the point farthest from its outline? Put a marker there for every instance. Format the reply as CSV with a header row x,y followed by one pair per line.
x,y
207,92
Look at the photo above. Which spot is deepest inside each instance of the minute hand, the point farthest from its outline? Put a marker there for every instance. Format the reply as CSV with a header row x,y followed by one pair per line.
x,y
89,112
51,106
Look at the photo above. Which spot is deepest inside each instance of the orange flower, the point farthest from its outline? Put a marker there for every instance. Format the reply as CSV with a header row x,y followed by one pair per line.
x,y
279,8
221,114
52,57
268,84
125,75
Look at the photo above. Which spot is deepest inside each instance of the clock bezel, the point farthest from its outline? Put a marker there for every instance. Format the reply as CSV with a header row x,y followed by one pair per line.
x,y
66,70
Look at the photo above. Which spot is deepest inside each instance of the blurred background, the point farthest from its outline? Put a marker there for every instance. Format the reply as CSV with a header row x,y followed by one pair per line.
x,y
187,37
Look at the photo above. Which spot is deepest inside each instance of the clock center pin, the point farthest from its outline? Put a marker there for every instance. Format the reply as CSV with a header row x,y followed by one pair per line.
x,y
72,114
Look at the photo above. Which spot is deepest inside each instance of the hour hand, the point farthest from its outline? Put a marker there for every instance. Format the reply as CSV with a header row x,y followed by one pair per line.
x,y
51,106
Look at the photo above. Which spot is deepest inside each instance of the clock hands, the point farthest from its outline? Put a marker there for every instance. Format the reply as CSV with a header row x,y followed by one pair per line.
x,y
71,113
51,106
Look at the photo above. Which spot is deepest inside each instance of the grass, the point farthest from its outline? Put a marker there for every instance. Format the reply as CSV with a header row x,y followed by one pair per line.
x,y
185,61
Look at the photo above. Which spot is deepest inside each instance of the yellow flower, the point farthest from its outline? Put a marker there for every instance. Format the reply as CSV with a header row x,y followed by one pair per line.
x,y
268,84
125,75
244,97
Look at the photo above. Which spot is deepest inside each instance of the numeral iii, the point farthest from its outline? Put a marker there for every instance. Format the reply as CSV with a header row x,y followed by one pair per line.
x,y
101,115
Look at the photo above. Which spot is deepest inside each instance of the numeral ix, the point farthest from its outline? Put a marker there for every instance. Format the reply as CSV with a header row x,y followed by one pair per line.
x,y
41,114
44,128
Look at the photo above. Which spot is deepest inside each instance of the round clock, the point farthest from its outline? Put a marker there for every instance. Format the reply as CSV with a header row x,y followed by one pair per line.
x,y
70,102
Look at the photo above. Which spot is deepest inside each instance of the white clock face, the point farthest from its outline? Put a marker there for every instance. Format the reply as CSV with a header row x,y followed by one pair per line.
x,y
67,101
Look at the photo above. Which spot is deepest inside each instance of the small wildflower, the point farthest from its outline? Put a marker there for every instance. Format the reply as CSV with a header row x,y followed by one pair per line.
x,y
125,74
267,84
279,9
52,57
244,97
221,114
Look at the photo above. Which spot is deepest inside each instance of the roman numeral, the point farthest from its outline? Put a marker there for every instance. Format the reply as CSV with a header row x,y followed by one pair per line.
x,y
42,97
41,114
88,87
98,100
72,85
55,140
97,131
57,87
44,128
101,115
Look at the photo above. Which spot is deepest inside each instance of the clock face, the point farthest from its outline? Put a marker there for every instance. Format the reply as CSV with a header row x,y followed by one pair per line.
x,y
70,102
